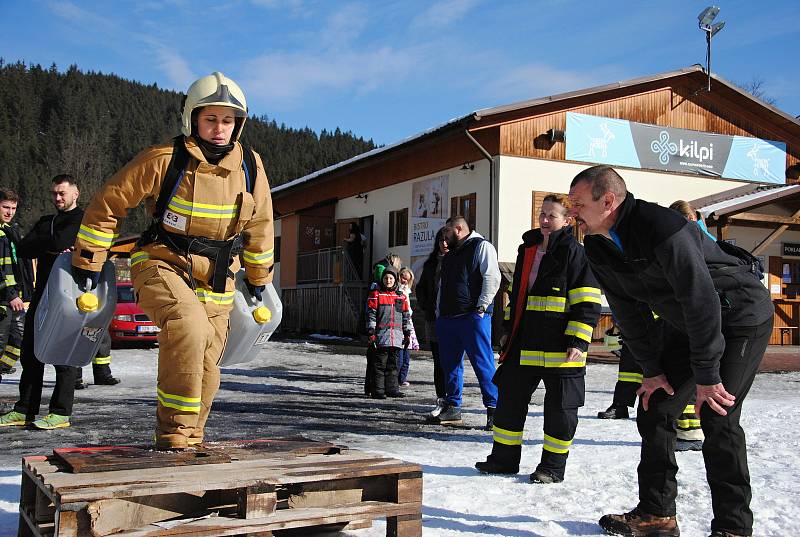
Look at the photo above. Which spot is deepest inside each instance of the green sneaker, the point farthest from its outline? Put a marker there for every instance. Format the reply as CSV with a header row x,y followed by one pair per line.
x,y
51,421
12,418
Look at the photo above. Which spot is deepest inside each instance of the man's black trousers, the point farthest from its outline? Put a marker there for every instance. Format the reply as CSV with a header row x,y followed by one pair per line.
x,y
563,396
724,449
32,378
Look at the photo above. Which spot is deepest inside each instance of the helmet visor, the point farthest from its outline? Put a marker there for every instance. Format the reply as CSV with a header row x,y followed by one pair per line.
x,y
223,97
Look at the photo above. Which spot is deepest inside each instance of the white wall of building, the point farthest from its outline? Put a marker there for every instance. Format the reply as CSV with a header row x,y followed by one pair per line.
x,y
380,202
519,177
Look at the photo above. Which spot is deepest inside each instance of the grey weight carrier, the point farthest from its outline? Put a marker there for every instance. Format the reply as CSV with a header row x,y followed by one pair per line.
x,y
247,336
63,334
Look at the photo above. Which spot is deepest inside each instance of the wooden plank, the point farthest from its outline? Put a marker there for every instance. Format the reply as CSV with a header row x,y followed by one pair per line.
x,y
110,458
114,515
281,519
257,501
241,466
212,477
404,526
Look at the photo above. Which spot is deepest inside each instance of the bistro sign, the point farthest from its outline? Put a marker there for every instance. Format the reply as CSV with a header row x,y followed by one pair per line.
x,y
791,248
637,145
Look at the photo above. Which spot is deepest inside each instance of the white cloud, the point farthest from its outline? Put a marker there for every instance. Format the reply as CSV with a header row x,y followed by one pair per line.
x,y
443,13
288,78
174,67
80,17
344,26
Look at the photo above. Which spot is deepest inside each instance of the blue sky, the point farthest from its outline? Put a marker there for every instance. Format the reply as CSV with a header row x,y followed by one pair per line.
x,y
387,70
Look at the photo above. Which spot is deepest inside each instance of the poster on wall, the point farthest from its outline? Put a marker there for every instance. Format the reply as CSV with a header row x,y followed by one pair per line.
x,y
619,142
429,211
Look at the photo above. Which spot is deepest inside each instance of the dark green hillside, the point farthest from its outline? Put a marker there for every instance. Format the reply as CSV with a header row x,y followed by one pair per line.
x,y
91,124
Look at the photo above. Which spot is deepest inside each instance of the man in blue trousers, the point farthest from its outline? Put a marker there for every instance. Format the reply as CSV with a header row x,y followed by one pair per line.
x,y
470,278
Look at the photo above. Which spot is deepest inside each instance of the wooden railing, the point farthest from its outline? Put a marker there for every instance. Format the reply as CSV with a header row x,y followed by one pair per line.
x,y
330,295
327,265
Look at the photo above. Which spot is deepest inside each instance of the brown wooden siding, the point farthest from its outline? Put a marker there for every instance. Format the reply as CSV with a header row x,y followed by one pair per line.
x,y
665,106
430,157
290,240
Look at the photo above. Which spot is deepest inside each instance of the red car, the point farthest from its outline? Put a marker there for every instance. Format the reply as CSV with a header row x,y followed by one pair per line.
x,y
130,323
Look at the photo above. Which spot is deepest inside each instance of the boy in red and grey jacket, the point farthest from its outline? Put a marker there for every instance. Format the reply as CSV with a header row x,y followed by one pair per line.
x,y
388,326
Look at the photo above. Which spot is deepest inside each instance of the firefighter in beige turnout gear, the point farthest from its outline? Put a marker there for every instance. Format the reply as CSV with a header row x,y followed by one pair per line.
x,y
176,267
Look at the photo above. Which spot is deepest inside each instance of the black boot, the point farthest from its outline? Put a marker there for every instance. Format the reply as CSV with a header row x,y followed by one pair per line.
x,y
490,466
614,412
543,477
107,381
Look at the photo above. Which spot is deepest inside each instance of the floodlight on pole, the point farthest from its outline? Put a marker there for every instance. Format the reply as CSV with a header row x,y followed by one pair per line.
x,y
705,18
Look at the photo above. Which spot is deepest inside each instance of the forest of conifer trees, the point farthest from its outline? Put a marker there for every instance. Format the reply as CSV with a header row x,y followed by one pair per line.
x,y
91,124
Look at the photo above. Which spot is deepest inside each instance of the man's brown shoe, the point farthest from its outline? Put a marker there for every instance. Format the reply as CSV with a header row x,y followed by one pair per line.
x,y
639,524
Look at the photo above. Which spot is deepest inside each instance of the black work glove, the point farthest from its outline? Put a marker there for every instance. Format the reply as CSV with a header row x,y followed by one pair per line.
x,y
406,339
81,276
254,290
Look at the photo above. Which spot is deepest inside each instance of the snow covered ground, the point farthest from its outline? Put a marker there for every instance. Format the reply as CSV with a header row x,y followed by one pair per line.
x,y
315,390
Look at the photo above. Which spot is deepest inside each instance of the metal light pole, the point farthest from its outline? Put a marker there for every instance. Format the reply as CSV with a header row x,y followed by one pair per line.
x,y
705,18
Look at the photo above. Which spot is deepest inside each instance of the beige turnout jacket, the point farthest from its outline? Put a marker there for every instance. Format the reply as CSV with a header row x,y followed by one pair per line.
x,y
210,201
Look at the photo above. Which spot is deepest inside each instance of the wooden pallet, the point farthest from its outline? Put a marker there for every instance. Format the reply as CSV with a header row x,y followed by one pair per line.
x,y
269,487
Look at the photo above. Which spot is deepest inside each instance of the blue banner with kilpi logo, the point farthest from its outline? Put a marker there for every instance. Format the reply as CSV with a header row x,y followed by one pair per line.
x,y
618,142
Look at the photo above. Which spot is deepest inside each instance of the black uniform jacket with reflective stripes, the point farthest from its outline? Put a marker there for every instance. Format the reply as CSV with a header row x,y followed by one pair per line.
x,y
667,265
561,309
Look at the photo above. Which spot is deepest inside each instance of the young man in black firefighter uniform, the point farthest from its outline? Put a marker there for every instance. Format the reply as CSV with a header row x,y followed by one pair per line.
x,y
717,320
17,281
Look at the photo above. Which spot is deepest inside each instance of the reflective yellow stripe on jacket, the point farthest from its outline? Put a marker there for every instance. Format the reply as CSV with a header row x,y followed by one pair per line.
x,y
579,330
547,303
186,404
504,436
202,210
99,238
258,258
139,257
549,359
584,294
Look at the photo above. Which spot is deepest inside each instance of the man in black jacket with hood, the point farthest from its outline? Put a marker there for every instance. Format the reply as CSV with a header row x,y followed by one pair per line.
x,y
51,235
717,322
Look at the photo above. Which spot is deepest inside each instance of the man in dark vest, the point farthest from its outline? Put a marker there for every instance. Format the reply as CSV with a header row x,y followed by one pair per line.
x,y
470,277
716,322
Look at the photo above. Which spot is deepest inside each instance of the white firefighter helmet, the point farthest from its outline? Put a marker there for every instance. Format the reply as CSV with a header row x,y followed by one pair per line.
x,y
214,89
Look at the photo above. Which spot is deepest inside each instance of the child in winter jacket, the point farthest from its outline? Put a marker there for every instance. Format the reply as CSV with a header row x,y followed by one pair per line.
x,y
405,283
388,319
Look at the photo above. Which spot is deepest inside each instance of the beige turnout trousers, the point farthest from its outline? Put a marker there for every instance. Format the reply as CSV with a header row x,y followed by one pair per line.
x,y
194,329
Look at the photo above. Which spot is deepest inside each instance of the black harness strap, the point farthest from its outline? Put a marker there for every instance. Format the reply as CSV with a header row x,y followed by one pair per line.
x,y
220,253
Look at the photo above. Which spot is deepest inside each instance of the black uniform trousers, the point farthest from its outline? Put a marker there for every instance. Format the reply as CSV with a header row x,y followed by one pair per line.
x,y
624,390
32,378
100,372
724,449
563,396
385,380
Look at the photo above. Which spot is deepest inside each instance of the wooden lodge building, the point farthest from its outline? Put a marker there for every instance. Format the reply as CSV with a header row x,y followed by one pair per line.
x,y
670,138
